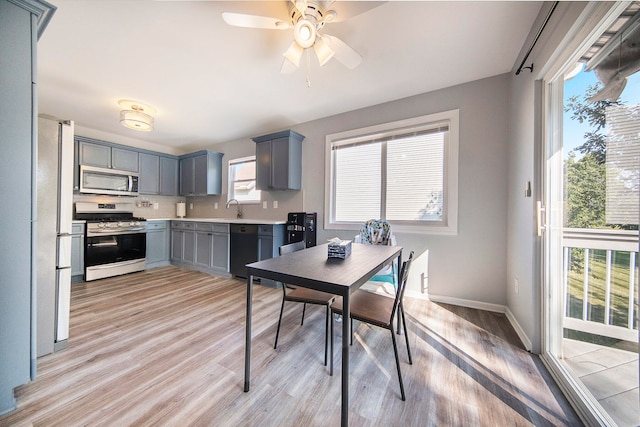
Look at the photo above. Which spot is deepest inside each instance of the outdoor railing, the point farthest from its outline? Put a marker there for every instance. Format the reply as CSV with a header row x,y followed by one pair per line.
x,y
601,282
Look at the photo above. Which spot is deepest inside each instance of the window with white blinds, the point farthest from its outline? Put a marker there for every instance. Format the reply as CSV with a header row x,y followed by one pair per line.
x,y
404,172
242,180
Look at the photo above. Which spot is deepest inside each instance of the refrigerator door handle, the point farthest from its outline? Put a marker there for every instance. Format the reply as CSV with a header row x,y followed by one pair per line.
x,y
64,251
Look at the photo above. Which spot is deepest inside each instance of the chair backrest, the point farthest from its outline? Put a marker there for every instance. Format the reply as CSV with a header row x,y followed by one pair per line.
x,y
376,232
286,249
404,274
292,247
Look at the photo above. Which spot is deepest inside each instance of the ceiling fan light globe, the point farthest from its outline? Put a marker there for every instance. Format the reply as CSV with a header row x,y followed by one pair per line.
x,y
294,53
323,52
304,33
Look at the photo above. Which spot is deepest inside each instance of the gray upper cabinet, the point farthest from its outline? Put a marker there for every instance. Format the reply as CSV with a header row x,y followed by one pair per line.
x,y
168,176
105,156
149,174
201,173
279,161
158,174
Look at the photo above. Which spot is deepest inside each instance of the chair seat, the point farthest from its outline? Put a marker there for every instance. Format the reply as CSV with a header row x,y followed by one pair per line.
x,y
309,296
369,307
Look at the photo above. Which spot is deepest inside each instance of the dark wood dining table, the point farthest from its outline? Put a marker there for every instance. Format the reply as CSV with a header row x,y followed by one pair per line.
x,y
311,268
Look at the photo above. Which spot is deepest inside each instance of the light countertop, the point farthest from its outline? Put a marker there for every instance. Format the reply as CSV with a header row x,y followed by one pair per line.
x,y
224,220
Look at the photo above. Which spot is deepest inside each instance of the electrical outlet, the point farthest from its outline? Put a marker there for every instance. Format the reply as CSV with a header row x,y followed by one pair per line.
x,y
275,204
215,205
264,205
190,205
516,285
156,205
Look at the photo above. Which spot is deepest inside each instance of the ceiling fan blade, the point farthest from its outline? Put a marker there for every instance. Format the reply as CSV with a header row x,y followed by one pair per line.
x,y
343,52
301,5
254,21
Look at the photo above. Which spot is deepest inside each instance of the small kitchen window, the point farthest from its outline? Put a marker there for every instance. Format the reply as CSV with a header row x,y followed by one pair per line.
x,y
405,172
242,180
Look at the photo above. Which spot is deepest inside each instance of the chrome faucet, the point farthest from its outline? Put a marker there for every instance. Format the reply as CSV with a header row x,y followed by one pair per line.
x,y
239,212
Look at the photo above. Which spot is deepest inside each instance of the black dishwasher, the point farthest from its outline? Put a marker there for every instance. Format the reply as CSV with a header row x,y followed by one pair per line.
x,y
243,248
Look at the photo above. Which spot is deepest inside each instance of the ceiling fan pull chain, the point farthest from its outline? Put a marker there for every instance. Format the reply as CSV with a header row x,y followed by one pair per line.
x,y
308,69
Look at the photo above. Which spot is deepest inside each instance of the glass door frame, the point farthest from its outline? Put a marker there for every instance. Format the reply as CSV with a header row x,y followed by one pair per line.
x,y
595,18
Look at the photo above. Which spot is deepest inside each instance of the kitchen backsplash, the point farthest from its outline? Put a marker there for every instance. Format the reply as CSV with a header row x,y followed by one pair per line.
x,y
278,205
146,206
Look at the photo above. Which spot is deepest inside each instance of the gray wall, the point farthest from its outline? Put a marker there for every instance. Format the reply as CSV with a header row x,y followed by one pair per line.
x,y
525,164
470,266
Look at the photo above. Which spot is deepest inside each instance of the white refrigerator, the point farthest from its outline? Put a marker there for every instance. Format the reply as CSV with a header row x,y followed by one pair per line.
x,y
54,177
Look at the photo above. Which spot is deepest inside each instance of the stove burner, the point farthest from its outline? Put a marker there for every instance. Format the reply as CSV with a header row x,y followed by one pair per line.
x,y
111,218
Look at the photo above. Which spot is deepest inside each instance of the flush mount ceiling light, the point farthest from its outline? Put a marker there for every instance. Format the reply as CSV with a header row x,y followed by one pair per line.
x,y
136,115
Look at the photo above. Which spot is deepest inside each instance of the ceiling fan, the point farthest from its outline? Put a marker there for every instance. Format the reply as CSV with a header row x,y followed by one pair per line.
x,y
307,18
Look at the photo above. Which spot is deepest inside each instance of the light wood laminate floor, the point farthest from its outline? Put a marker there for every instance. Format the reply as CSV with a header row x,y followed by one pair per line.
x,y
166,347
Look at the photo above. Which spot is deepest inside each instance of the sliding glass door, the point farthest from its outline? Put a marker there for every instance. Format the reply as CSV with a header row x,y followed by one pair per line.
x,y
590,213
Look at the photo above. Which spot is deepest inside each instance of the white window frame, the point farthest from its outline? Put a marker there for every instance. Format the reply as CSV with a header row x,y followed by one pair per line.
x,y
449,223
230,182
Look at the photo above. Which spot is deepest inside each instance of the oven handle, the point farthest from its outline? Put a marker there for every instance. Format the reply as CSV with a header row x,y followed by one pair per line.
x,y
103,244
105,266
115,232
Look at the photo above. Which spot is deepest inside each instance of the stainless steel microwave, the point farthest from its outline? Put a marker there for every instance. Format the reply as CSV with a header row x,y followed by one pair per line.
x,y
97,180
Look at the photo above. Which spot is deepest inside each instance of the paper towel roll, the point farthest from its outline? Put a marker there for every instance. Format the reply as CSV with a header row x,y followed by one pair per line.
x,y
180,209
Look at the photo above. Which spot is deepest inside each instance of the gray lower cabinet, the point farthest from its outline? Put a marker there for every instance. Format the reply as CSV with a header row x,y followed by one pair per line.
x,y
77,252
212,246
270,238
202,246
158,243
182,242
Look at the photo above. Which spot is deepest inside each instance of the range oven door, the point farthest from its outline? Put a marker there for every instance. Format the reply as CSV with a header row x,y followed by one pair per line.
x,y
114,254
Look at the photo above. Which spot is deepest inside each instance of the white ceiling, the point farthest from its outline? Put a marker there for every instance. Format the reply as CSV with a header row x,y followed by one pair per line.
x,y
213,83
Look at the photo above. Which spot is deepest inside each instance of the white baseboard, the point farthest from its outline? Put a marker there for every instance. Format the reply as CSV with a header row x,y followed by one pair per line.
x,y
496,308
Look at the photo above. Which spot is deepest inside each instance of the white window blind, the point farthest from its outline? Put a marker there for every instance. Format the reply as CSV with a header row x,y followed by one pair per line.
x,y
400,172
623,164
242,180
415,177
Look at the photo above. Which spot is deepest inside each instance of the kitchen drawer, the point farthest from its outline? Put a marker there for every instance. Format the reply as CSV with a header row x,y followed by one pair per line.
x,y
220,228
156,225
183,225
203,226
265,230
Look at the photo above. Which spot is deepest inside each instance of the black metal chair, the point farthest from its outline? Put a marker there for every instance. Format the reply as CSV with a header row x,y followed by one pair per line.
x,y
304,296
378,310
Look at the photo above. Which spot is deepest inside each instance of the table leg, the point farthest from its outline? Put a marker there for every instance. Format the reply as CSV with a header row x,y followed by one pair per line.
x,y
247,345
346,321
398,330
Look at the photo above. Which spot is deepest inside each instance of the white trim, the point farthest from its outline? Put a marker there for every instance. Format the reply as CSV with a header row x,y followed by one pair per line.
x,y
593,20
230,188
496,308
